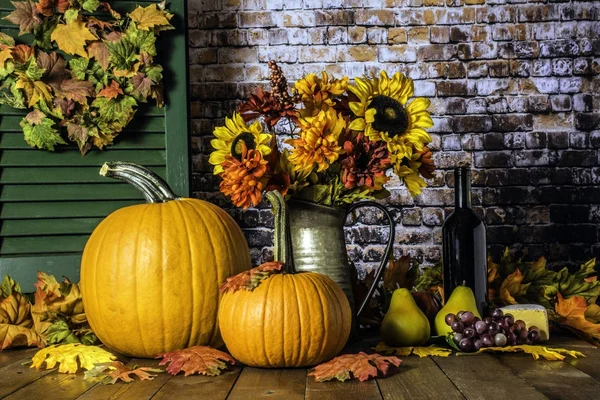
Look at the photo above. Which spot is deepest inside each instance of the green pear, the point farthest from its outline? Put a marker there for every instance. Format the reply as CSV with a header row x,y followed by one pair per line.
x,y
404,324
461,299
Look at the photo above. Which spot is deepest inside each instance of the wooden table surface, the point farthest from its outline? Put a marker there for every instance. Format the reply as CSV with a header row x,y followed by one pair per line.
x,y
485,376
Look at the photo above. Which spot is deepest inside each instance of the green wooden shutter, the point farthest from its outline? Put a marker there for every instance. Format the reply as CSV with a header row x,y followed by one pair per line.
x,y
51,202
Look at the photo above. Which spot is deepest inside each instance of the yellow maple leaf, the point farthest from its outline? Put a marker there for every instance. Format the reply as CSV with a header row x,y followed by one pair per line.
x,y
71,37
551,354
5,54
34,90
421,351
149,17
67,356
513,286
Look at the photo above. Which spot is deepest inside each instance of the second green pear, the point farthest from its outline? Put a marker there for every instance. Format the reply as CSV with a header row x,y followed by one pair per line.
x,y
461,299
404,324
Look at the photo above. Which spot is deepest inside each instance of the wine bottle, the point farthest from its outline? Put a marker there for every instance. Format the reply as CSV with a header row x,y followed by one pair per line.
x,y
464,244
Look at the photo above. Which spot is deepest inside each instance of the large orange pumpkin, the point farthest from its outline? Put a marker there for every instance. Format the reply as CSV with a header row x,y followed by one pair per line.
x,y
150,273
289,320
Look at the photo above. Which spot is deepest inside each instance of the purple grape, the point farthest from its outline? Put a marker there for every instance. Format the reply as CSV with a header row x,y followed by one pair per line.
x,y
450,318
458,326
497,314
534,334
500,340
493,328
510,320
478,344
502,324
488,320
469,333
523,334
467,317
480,327
487,340
521,324
466,345
458,314
512,339
457,337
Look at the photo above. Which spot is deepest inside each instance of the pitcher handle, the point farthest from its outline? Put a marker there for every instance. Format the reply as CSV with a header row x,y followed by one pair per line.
x,y
388,248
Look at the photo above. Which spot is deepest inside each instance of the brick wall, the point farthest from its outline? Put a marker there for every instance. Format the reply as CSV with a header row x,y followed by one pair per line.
x,y
515,91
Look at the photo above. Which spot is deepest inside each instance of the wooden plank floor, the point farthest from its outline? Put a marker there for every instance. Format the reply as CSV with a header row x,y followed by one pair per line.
x,y
485,377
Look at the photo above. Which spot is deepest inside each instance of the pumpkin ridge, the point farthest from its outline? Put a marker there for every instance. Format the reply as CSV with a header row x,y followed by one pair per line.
x,y
334,299
324,343
208,298
164,258
135,286
266,307
297,349
179,206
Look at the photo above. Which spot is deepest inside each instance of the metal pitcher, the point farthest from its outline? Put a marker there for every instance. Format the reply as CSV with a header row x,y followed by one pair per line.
x,y
313,234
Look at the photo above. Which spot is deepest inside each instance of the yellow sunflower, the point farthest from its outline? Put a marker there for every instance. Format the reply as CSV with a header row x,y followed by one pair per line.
x,y
317,92
231,138
408,170
383,113
319,141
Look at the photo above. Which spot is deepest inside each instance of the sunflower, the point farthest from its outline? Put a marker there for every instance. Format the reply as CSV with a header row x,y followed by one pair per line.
x,y
319,141
244,179
408,170
383,113
231,138
317,92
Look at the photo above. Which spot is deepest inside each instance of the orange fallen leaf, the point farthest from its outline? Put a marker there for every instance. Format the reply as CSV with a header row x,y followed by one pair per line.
x,y
513,286
361,366
250,279
111,91
203,360
572,311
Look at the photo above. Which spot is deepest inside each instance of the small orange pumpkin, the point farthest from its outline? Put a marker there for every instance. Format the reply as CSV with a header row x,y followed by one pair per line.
x,y
289,320
150,273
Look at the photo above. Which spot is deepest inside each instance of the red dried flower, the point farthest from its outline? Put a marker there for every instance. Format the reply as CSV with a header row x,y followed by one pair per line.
x,y
427,167
266,104
365,163
243,179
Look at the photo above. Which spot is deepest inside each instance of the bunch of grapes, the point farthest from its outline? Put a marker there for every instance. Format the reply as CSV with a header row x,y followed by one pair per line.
x,y
472,333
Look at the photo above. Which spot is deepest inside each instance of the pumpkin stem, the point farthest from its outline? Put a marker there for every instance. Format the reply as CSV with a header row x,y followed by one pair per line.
x,y
153,187
282,240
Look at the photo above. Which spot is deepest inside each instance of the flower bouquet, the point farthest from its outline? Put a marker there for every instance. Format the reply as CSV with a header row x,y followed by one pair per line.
x,y
328,141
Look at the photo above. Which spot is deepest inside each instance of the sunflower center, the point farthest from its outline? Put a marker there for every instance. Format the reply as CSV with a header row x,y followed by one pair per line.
x,y
244,139
390,116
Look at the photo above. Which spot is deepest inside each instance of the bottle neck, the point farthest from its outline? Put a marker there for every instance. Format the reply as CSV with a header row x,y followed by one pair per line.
x,y
462,193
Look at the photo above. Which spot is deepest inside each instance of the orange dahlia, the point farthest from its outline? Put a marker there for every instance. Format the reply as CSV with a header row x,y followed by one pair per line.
x,y
365,163
244,179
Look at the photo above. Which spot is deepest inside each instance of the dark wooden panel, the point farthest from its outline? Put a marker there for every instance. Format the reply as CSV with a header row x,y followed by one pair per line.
x,y
418,378
257,383
199,387
68,192
140,123
35,175
58,209
54,386
42,244
132,140
10,158
483,377
16,375
32,227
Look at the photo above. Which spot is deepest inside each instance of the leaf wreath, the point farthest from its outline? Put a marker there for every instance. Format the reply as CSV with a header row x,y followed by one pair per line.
x,y
82,78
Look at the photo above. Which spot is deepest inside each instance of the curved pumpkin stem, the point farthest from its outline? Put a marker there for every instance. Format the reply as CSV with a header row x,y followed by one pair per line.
x,y
152,186
282,240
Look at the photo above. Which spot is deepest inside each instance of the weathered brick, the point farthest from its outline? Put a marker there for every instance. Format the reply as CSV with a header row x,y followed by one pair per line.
x,y
437,52
398,53
334,17
375,17
397,35
472,123
587,121
452,88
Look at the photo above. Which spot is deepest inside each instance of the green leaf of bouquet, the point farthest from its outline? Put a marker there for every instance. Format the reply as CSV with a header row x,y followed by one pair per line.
x,y
154,72
575,284
60,332
122,53
90,5
11,95
317,194
9,68
79,66
42,136
144,41
6,39
34,72
8,286
42,33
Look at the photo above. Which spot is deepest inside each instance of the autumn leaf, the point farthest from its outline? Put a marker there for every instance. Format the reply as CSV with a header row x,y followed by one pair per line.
x,y
141,84
16,324
34,90
361,366
248,280
592,313
5,55
398,274
46,7
42,136
112,12
513,287
421,351
71,37
572,311
536,351
110,373
55,68
76,90
22,53
35,117
71,357
149,17
111,92
25,15
203,360
99,51
6,40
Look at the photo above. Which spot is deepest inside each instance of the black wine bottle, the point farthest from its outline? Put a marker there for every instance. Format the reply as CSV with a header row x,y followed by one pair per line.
x,y
464,244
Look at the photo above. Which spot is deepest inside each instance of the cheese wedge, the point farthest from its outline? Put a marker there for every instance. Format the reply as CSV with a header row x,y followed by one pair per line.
x,y
532,315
